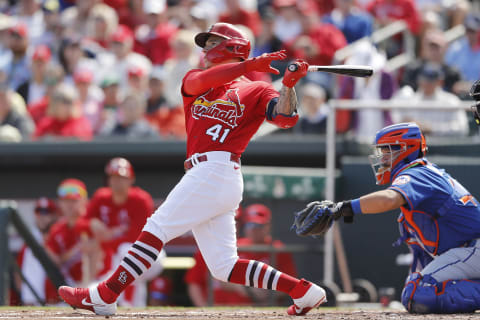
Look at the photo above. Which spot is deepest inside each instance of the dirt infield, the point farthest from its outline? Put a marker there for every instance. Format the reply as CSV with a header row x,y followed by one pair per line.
x,y
222,313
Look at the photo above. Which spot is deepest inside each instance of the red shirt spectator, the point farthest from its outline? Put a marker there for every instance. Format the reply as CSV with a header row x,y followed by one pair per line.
x,y
235,14
70,128
318,42
387,11
153,38
63,122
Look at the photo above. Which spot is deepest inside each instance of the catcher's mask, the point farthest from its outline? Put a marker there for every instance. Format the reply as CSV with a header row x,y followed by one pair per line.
x,y
475,94
235,45
394,147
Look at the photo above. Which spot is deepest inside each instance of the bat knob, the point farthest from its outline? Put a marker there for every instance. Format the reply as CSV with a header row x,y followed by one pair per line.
x,y
293,67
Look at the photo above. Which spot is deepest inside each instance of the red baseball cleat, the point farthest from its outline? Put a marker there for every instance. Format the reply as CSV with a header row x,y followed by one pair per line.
x,y
88,299
306,296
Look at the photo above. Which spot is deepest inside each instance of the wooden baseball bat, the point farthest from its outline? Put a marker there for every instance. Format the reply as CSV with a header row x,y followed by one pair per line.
x,y
345,69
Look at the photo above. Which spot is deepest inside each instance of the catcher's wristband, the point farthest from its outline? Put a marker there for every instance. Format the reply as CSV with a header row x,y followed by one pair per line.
x,y
356,206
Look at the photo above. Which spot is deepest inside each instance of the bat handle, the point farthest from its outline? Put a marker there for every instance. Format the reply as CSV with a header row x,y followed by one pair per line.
x,y
292,67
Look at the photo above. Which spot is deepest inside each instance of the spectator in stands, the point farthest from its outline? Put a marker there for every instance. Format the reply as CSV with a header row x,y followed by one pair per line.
x,y
380,86
257,232
130,12
130,120
433,50
451,13
235,14
15,123
68,244
70,55
287,24
102,23
121,45
267,41
138,80
116,215
6,22
318,42
17,66
53,76
439,123
45,216
75,18
63,120
184,59
35,88
111,100
167,120
388,11
90,97
53,26
156,33
203,15
29,13
464,53
314,108
348,18
159,291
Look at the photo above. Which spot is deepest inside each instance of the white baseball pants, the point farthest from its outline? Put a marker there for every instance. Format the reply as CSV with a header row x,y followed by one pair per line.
x,y
204,201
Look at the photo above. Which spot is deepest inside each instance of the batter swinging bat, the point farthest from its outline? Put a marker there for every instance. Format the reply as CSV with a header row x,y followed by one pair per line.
x,y
348,70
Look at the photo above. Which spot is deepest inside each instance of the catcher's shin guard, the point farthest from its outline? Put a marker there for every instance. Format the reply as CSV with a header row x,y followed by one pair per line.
x,y
423,294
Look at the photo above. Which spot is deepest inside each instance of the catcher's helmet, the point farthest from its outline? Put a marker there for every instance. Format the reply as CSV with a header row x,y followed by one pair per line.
x,y
119,167
396,146
236,44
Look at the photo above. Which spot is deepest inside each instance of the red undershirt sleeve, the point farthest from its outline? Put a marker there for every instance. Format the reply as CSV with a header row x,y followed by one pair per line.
x,y
198,82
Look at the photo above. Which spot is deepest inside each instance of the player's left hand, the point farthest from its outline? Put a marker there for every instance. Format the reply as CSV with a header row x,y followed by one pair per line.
x,y
291,78
262,63
317,218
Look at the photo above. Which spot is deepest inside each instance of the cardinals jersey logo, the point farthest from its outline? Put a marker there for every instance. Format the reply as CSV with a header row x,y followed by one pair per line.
x,y
227,111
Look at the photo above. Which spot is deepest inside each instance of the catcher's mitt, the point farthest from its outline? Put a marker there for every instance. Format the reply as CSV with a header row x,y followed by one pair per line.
x,y
318,217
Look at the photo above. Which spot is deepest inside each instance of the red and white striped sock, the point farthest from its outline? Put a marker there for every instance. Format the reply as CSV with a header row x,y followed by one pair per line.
x,y
260,275
139,258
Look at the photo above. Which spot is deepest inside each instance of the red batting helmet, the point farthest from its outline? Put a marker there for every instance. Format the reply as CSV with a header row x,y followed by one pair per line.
x,y
120,167
236,44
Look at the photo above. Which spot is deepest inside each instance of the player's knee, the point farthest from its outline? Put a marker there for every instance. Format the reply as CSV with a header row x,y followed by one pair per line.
x,y
423,294
221,269
416,296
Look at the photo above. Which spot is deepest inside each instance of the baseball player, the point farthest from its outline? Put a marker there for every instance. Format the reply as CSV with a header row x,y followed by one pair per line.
x,y
439,221
116,215
222,112
64,241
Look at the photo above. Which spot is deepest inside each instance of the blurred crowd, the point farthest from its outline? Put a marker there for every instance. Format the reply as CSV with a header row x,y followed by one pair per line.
x,y
112,69
86,236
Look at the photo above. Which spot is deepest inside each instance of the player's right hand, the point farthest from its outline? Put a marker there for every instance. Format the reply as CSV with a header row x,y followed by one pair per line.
x,y
262,63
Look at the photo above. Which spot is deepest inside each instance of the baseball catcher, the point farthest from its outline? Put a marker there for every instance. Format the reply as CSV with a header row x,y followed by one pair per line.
x,y
439,222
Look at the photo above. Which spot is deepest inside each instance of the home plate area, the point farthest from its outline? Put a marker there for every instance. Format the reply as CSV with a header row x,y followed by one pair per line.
x,y
222,313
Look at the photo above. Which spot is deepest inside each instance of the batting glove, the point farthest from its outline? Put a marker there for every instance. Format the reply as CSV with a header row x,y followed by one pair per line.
x,y
291,78
262,63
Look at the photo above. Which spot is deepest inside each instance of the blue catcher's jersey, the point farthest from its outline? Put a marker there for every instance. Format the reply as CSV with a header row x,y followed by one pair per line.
x,y
440,213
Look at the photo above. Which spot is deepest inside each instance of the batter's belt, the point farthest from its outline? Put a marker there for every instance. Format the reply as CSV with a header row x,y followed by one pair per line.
x,y
190,163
